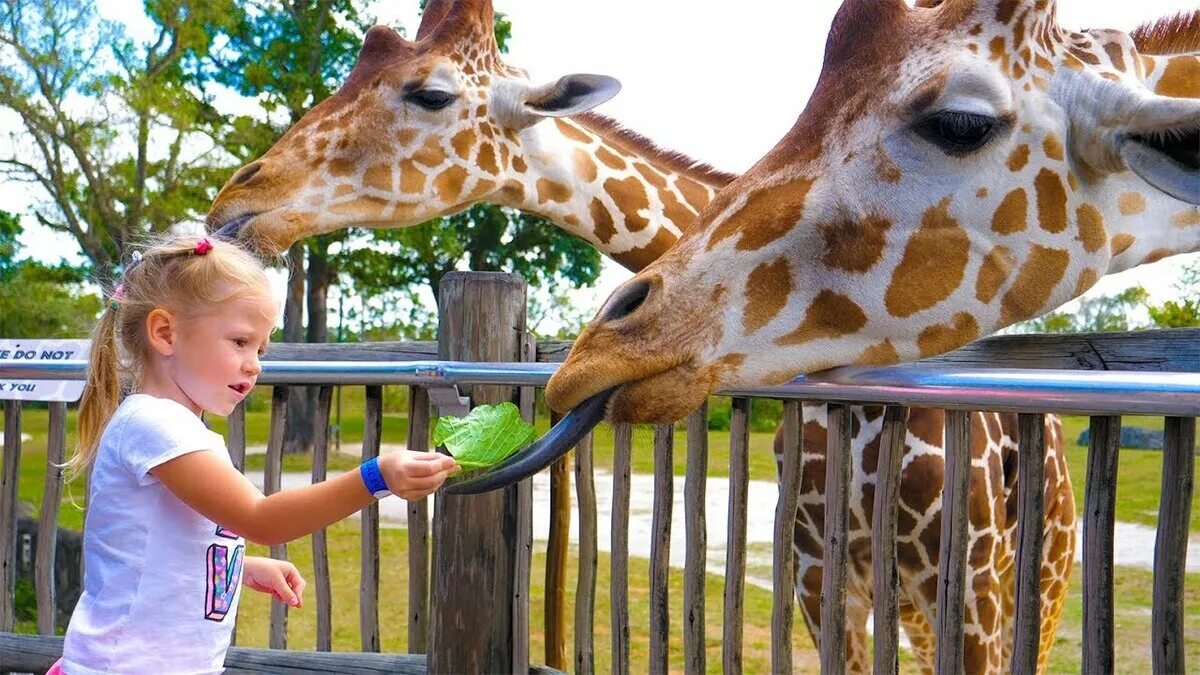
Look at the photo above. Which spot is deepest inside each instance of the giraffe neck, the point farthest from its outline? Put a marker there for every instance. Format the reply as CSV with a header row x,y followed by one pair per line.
x,y
608,186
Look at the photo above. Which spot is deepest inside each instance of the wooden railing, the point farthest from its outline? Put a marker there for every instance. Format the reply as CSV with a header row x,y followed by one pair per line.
x,y
1164,352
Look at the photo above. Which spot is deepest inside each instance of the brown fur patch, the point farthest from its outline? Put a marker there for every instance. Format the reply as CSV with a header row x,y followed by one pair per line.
x,y
487,159
1087,278
412,179
1157,254
697,195
1051,201
449,184
1053,147
1131,203
1181,78
879,354
585,166
1091,228
993,272
767,291
940,338
1018,158
462,142
341,167
630,196
602,221
610,158
768,214
1116,55
830,315
935,259
1121,243
1005,10
675,211
854,246
378,177
1011,214
431,153
552,191
639,258
518,164
1189,218
1042,271
406,135
571,131
981,192
885,169
652,177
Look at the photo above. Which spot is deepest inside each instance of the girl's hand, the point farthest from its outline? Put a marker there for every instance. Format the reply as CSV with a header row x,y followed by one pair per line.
x,y
414,475
279,578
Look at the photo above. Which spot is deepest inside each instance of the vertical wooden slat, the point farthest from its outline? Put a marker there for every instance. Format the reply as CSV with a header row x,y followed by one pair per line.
x,y
526,398
56,450
695,558
272,475
9,482
837,507
418,529
556,559
619,574
368,592
585,584
1099,519
1170,547
735,547
1031,486
883,540
952,566
235,436
660,546
320,544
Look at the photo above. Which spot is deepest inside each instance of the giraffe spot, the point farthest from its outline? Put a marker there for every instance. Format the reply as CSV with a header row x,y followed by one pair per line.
x,y
885,169
940,338
639,258
1131,203
854,246
1018,71
1157,254
1084,55
993,272
697,195
1121,243
935,258
1042,271
584,165
1087,278
571,131
449,184
1148,63
767,215
571,220
1041,83
611,159
602,221
487,159
1111,76
1072,181
552,191
830,315
976,29
629,196
518,164
981,192
1005,10
343,190
462,142
379,177
513,192
767,291
1053,147
431,153
652,177
412,179
1051,201
1189,218
406,135
1010,214
341,167
1018,158
674,210
998,52
1091,228
481,111
879,354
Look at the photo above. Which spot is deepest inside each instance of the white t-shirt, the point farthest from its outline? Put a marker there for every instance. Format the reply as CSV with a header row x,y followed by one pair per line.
x,y
161,582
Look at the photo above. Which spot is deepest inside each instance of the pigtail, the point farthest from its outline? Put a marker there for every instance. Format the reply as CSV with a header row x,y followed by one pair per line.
x,y
101,393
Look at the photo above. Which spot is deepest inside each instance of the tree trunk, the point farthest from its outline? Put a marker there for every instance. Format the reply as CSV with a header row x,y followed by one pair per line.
x,y
298,436
319,275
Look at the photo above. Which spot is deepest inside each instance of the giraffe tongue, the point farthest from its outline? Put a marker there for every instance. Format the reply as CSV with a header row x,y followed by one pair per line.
x,y
541,454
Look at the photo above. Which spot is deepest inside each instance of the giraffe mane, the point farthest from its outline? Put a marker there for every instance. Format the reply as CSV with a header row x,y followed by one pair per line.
x,y
619,134
1176,34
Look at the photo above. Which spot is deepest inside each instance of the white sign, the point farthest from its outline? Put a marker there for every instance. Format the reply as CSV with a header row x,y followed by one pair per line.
x,y
34,351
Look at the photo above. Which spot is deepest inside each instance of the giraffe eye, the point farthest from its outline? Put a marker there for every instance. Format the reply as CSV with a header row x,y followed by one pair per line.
x,y
430,99
958,132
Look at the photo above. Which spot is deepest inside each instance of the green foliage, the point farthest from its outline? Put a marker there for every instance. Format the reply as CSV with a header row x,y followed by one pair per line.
x,y
1186,312
1108,313
766,414
38,300
487,434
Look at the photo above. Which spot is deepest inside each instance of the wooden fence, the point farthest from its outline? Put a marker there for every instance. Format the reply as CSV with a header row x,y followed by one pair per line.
x,y
470,610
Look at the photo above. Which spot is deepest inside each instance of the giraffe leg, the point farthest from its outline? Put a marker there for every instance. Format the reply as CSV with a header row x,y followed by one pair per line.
x,y
920,636
1058,548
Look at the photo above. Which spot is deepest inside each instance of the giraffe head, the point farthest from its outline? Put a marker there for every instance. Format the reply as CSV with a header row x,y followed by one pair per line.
x,y
961,165
419,129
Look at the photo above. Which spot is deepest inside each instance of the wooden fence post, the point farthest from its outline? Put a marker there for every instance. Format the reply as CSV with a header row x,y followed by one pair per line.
x,y
475,553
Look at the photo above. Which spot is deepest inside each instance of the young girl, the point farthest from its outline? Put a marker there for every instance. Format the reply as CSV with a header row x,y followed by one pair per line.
x,y
164,553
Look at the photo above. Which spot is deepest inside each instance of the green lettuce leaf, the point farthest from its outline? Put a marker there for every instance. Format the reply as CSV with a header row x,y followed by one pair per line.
x,y
488,434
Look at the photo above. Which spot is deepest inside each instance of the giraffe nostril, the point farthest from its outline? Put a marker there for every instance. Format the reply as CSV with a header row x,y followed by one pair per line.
x,y
627,300
246,173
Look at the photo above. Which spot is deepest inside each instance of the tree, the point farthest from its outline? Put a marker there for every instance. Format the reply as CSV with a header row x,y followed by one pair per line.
x,y
1104,314
113,130
1185,313
40,301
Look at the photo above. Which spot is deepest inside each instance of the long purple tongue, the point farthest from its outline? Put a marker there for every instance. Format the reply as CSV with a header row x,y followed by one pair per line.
x,y
541,454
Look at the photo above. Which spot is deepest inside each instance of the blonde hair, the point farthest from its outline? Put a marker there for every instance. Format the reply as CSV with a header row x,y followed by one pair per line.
x,y
173,275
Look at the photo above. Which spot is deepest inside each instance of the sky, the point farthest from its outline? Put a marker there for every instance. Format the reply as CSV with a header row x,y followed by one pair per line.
x,y
719,81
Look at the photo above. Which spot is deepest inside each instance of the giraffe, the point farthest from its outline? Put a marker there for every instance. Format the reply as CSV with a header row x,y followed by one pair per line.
x,y
611,175
961,165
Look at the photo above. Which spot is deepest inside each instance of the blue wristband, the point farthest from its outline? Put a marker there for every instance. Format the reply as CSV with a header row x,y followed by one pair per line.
x,y
373,479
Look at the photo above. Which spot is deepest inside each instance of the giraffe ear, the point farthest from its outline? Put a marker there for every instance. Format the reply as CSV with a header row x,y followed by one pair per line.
x,y
1161,144
569,95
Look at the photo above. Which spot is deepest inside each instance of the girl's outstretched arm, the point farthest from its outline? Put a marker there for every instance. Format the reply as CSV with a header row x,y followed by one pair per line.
x,y
209,484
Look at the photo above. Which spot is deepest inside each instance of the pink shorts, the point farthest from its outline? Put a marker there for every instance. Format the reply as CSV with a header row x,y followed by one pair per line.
x,y
55,669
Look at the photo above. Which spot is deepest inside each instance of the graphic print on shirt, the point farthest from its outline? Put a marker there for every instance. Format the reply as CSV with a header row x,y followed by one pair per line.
x,y
223,577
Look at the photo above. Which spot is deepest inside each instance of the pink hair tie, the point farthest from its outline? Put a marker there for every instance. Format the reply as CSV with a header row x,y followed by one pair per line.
x,y
118,296
203,246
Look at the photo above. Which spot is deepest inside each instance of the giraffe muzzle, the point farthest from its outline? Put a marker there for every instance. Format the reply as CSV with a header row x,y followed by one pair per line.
x,y
542,453
230,230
